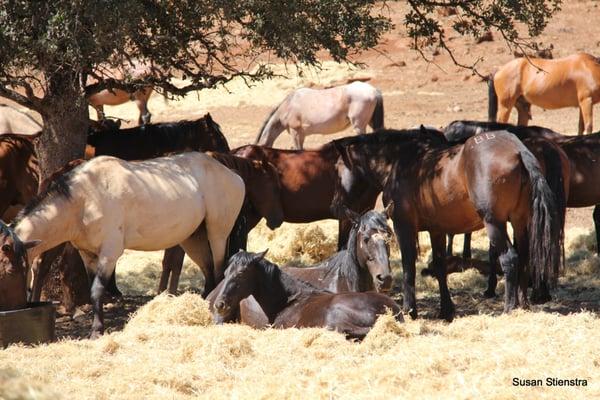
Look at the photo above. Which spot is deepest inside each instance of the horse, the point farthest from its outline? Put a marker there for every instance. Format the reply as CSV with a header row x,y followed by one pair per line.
x,y
363,266
137,143
13,120
440,188
107,205
581,151
155,140
308,111
263,199
307,180
289,302
19,170
573,81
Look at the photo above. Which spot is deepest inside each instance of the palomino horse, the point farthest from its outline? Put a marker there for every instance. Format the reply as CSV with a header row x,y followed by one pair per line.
x,y
107,205
324,111
436,187
263,199
582,152
573,81
362,267
307,180
289,302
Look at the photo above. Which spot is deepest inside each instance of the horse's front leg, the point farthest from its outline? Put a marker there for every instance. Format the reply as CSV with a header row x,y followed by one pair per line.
x,y
581,125
407,239
142,104
298,137
99,112
438,250
172,264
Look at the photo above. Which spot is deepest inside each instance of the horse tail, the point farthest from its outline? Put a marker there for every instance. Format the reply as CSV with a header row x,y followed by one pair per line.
x,y
377,117
492,99
271,114
545,229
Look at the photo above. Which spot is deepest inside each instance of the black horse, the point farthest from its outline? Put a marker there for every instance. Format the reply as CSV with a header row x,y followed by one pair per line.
x,y
441,188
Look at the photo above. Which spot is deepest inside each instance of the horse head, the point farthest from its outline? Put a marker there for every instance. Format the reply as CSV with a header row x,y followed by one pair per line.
x,y
13,269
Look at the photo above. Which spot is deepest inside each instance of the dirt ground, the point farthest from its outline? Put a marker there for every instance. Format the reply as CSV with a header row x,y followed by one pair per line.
x,y
415,92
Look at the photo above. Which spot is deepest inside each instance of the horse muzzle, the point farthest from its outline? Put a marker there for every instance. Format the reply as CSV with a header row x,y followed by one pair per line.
x,y
383,283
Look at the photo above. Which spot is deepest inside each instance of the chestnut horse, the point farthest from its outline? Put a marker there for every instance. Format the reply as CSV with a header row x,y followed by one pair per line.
x,y
439,188
107,205
308,111
573,81
263,199
308,179
363,266
289,302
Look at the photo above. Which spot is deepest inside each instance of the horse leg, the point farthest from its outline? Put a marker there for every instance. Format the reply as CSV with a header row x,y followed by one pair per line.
x,y
198,249
141,101
490,292
40,268
581,125
523,111
172,264
298,136
407,239
596,216
438,250
508,261
505,106
586,108
99,112
524,269
467,246
449,248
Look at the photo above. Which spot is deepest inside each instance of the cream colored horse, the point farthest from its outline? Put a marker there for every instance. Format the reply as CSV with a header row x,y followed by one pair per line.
x,y
573,81
13,120
324,111
108,205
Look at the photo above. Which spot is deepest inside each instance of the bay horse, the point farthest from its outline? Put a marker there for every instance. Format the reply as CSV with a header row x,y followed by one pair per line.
x,y
107,205
308,179
363,266
582,152
19,170
308,111
440,188
289,302
263,199
573,81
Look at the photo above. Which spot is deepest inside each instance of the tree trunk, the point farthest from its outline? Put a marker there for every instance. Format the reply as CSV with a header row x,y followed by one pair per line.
x,y
66,119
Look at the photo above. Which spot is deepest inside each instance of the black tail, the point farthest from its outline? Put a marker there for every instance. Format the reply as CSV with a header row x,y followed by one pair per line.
x,y
377,117
492,100
238,238
545,229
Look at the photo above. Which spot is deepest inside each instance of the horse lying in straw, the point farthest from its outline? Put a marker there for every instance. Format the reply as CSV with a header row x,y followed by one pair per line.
x,y
107,205
573,81
289,302
308,111
362,267
440,188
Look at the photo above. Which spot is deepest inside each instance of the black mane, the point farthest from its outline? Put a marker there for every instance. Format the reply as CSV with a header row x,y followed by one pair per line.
x,y
392,136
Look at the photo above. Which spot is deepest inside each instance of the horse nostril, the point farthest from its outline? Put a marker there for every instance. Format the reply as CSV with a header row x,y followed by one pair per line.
x,y
384,281
220,305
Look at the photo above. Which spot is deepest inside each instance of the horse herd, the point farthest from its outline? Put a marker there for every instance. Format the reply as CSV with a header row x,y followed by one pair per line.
x,y
191,194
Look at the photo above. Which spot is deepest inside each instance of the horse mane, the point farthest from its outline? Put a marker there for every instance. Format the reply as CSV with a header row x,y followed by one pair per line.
x,y
22,138
273,111
244,166
57,185
295,287
392,136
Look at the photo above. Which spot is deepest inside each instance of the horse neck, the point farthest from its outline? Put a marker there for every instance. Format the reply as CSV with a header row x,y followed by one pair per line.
x,y
272,129
52,222
277,289
346,267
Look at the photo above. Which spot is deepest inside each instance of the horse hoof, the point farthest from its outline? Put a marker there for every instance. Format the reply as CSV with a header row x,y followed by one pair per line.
x,y
447,314
489,294
412,312
95,335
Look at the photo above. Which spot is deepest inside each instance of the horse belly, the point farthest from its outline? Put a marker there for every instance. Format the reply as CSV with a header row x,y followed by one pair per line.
x,y
105,97
460,217
551,93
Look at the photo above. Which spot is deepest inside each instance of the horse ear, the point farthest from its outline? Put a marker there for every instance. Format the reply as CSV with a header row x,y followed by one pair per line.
x,y
389,209
352,215
261,255
31,243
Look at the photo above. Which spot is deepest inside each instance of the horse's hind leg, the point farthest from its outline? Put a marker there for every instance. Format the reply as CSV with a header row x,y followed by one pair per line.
x,y
141,101
438,250
198,249
596,216
508,261
524,272
298,136
172,264
99,112
586,106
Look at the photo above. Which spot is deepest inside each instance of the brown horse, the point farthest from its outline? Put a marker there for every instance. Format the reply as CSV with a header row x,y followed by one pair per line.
x,y
291,303
19,171
363,266
436,187
573,81
582,152
13,269
308,180
263,194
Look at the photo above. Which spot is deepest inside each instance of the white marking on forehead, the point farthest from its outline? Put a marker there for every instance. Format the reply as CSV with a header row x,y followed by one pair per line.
x,y
381,236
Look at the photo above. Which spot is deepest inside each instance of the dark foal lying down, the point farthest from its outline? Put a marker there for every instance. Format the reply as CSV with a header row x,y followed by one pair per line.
x,y
289,302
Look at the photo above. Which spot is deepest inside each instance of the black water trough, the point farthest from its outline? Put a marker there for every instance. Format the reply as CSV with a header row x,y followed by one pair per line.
x,y
31,325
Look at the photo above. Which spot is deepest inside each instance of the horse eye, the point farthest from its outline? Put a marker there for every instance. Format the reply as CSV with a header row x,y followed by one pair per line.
x,y
6,248
366,240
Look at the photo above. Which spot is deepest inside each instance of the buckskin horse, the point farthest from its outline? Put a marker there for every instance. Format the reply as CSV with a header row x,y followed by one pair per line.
x,y
308,111
289,302
573,81
363,266
440,188
308,179
107,205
